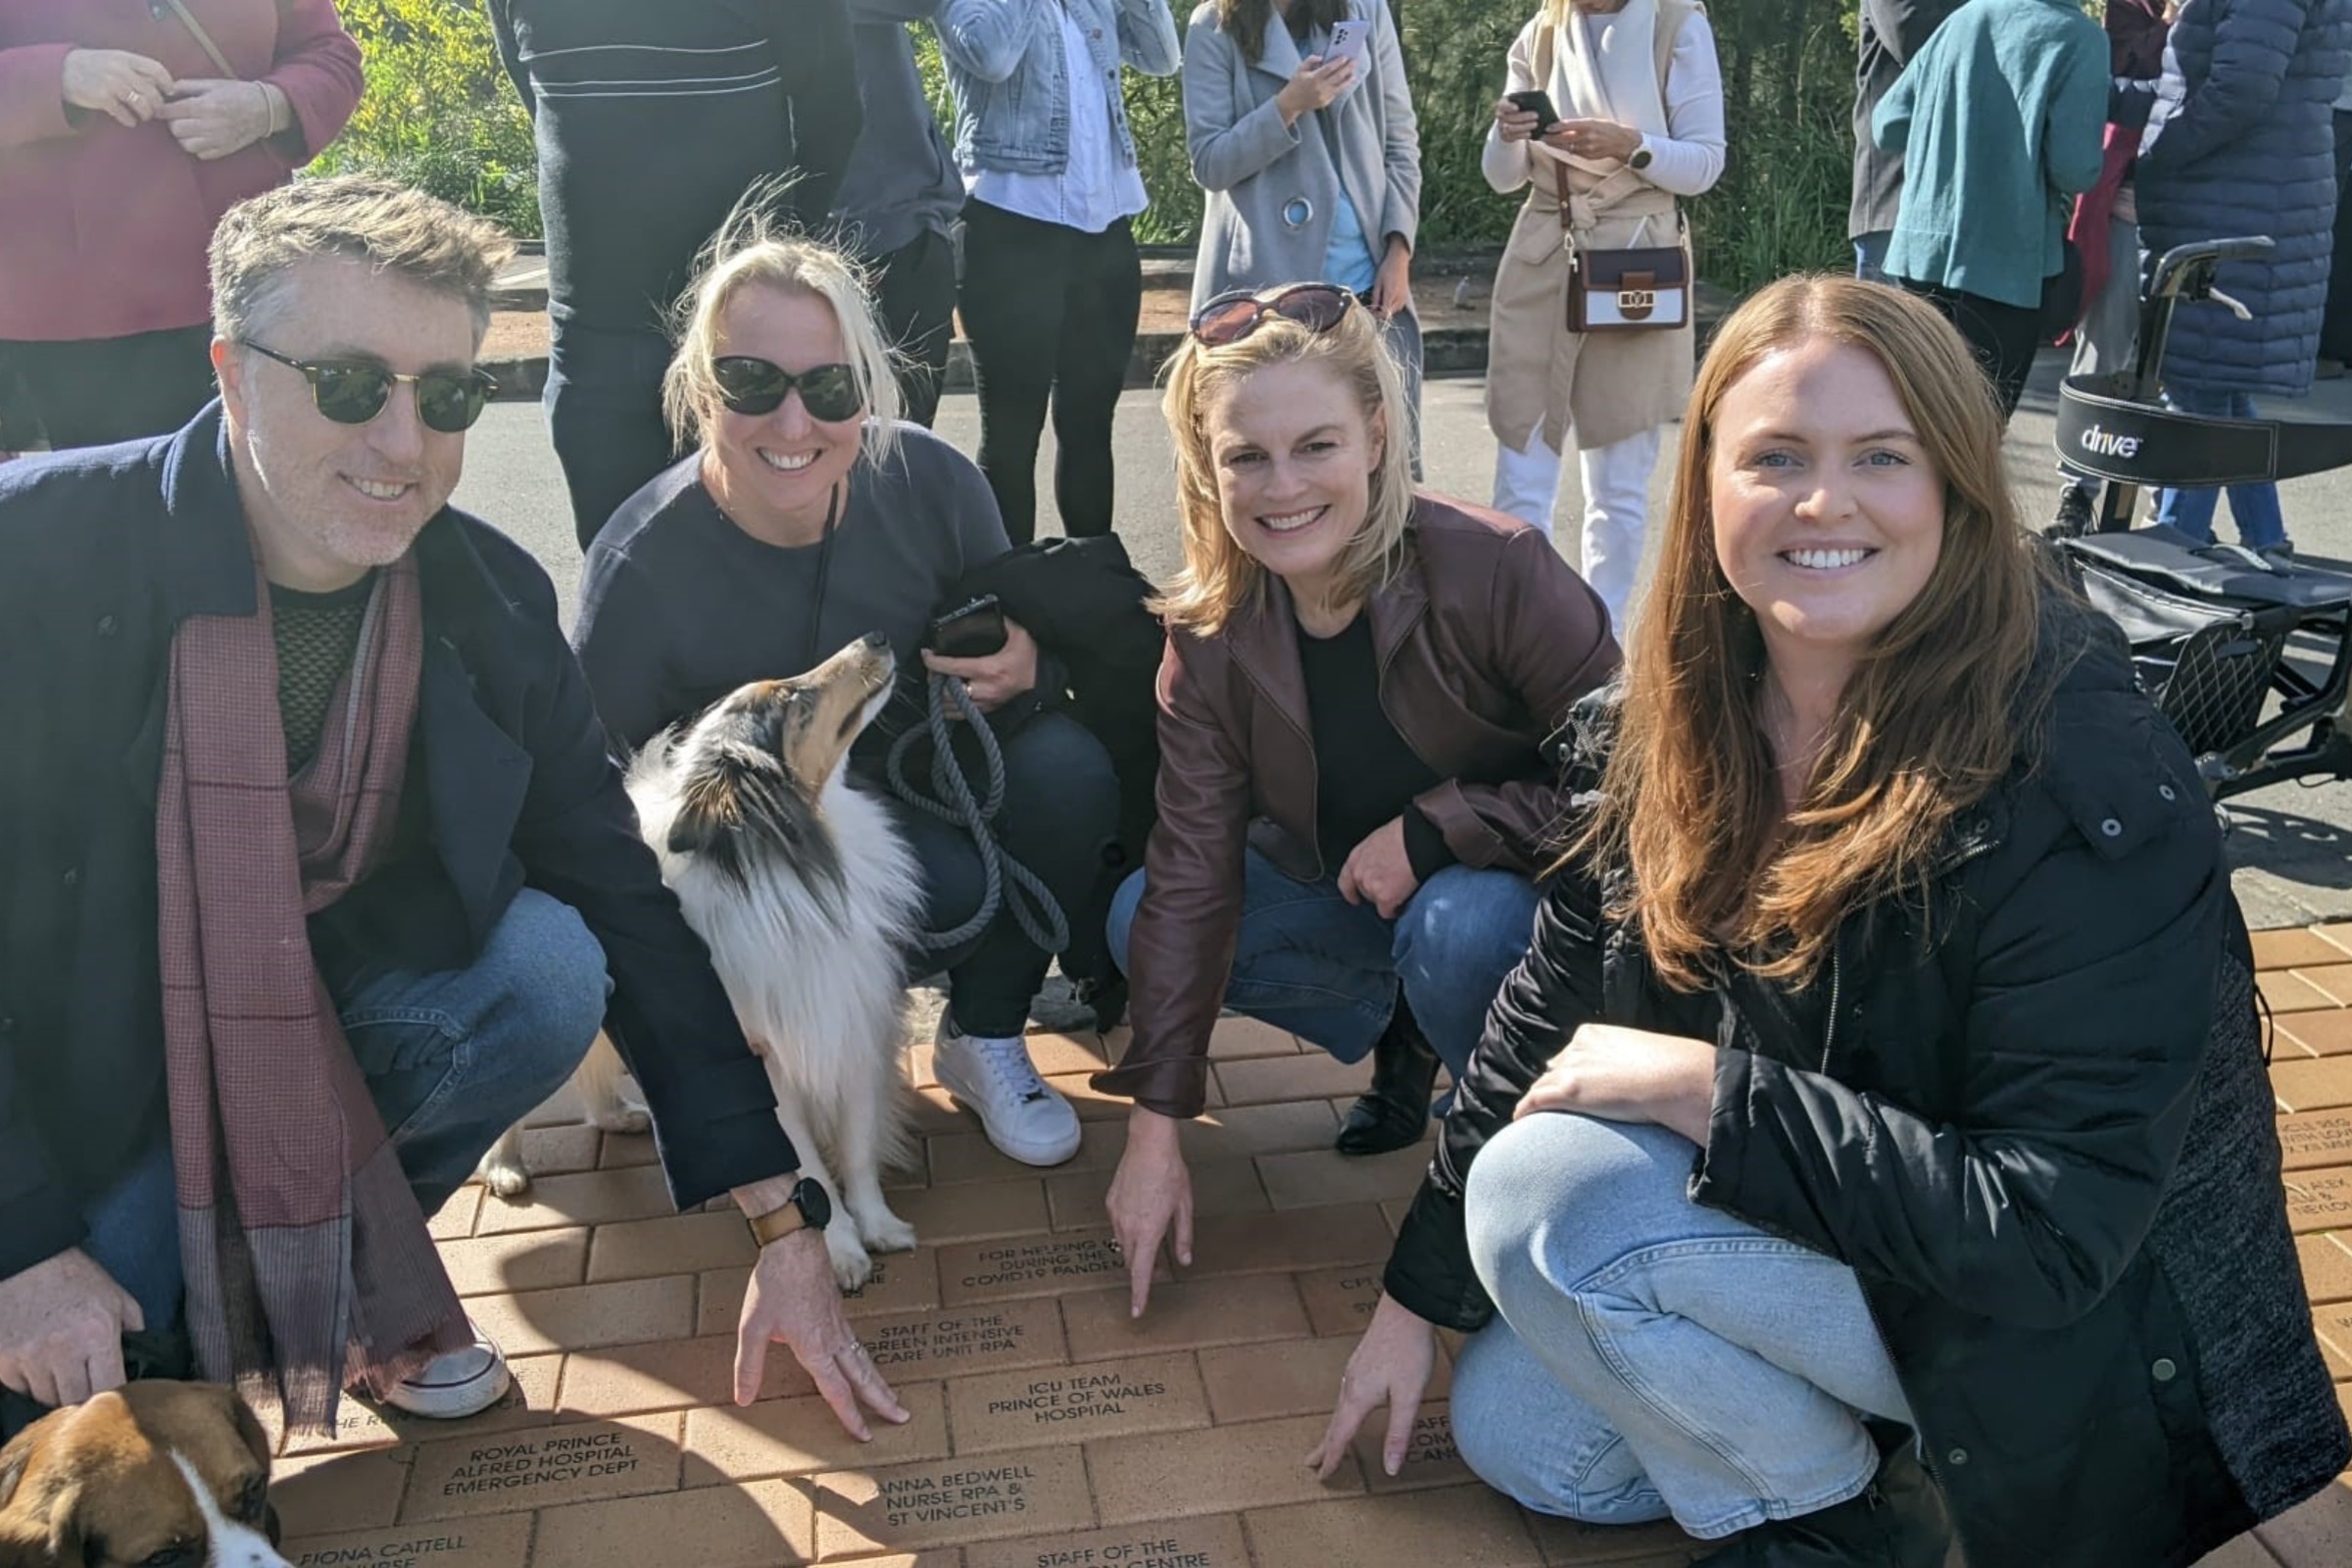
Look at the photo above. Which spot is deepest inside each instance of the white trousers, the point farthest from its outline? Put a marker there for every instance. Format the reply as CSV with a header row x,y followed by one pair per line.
x,y
1616,482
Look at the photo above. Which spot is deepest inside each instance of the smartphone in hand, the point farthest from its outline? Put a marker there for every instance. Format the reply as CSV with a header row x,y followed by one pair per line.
x,y
1537,102
1350,39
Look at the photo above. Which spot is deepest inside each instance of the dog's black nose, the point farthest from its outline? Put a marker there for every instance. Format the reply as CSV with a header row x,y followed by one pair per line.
x,y
875,640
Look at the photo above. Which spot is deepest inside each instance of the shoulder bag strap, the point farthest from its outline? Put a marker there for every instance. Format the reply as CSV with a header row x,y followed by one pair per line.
x,y
204,39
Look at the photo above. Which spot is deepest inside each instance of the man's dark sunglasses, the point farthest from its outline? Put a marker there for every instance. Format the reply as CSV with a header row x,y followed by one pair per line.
x,y
353,391
1231,318
754,387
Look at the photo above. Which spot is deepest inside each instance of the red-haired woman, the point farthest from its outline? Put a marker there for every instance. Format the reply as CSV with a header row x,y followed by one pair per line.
x,y
1874,1148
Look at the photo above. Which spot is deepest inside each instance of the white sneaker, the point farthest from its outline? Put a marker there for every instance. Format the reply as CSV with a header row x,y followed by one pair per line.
x,y
456,1384
1024,1116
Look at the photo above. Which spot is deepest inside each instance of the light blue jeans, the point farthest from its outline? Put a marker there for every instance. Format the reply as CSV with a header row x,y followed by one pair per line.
x,y
1870,256
1329,972
451,1060
1651,1357
2254,507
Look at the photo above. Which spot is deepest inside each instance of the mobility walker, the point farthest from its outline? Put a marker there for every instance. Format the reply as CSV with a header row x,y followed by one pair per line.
x,y
2211,625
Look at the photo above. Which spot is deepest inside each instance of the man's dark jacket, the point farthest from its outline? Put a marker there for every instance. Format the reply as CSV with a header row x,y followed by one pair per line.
x,y
102,554
2042,1137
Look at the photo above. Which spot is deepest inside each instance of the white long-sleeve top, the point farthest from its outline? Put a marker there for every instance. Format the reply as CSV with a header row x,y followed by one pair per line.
x,y
1685,161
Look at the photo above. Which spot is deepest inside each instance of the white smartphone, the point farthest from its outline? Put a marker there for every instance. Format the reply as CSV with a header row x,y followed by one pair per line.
x,y
1351,38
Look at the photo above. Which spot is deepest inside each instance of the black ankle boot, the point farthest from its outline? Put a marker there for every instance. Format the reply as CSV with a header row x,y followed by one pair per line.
x,y
1392,1113
1898,1521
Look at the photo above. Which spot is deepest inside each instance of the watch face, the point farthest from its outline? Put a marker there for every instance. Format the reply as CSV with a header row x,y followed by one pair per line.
x,y
808,1197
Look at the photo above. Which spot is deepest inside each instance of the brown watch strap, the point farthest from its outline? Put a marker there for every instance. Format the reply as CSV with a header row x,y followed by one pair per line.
x,y
777,1223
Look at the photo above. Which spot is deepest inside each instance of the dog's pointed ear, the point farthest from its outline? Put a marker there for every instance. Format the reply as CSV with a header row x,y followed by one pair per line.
x,y
249,1428
707,817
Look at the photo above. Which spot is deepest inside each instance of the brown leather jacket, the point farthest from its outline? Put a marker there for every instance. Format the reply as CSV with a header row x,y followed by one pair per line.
x,y
1483,641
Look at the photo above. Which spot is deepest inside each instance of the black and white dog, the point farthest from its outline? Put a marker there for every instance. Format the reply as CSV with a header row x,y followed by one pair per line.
x,y
806,897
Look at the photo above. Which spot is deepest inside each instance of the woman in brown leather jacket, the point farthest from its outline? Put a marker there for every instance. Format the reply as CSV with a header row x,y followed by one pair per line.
x,y
1353,704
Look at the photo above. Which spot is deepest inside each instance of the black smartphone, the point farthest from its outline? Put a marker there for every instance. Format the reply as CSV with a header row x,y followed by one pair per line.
x,y
972,631
1537,102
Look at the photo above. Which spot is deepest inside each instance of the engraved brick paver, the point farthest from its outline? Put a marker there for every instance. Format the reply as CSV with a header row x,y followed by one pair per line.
x,y
1213,1542
1031,1265
502,1541
1076,1403
544,1467
1049,1430
949,1501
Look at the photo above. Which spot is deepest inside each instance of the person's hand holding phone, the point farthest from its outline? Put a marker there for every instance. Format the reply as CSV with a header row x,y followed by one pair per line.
x,y
1516,122
999,677
1318,84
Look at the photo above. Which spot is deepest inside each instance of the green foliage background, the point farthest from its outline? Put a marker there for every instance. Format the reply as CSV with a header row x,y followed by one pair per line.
x,y
440,114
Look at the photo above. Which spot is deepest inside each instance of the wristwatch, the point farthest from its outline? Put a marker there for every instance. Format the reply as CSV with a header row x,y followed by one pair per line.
x,y
1641,156
807,1208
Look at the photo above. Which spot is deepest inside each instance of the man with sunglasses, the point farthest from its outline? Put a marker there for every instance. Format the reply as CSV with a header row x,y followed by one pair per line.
x,y
314,873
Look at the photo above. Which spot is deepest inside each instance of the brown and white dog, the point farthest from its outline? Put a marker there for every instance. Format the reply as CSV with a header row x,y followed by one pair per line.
x,y
152,1474
806,897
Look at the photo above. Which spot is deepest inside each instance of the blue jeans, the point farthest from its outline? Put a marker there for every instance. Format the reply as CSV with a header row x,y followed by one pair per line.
x,y
1870,256
1650,1357
1309,961
2254,507
451,1060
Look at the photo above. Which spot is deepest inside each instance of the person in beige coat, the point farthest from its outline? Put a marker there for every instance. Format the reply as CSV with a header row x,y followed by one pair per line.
x,y
1642,99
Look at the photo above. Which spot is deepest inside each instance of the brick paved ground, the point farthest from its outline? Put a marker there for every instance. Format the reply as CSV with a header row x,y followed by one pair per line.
x,y
1049,1431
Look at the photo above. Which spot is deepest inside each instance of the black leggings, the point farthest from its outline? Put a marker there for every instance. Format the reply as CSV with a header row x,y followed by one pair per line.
x,y
2002,336
1051,312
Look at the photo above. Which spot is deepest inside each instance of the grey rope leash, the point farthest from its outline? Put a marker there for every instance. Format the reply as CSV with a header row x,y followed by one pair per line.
x,y
1033,904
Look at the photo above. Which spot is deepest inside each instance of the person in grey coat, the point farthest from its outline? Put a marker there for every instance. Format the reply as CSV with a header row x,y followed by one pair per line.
x,y
1310,160
2242,141
1886,35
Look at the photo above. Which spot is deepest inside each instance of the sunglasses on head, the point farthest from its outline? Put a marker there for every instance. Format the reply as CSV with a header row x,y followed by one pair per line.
x,y
1231,318
755,386
353,391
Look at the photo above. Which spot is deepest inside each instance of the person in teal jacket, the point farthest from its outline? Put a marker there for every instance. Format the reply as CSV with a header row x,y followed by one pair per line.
x,y
1998,120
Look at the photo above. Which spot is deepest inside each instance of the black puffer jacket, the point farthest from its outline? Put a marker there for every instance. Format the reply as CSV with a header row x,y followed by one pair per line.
x,y
2044,1141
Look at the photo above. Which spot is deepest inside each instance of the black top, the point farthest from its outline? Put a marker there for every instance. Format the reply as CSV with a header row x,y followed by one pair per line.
x,y
679,607
1365,771
317,635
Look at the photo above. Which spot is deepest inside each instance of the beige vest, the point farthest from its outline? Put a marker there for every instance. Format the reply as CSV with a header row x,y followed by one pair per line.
x,y
1541,376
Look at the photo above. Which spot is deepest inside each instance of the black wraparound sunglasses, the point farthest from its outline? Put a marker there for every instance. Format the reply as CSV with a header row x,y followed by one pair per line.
x,y
353,391
755,386
1231,318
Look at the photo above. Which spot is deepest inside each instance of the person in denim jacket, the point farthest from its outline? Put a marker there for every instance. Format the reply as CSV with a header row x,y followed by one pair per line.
x,y
1051,283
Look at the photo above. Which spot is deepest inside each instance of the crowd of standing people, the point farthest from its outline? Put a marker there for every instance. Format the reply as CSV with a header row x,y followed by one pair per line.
x,y
1835,931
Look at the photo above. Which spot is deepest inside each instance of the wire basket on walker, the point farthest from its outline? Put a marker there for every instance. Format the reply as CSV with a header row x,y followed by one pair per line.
x,y
2210,625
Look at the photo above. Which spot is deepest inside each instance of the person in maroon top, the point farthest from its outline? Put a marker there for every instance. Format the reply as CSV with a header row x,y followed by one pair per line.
x,y
127,128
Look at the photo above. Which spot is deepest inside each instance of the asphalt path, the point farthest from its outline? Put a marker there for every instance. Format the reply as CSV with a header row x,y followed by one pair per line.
x,y
2291,843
